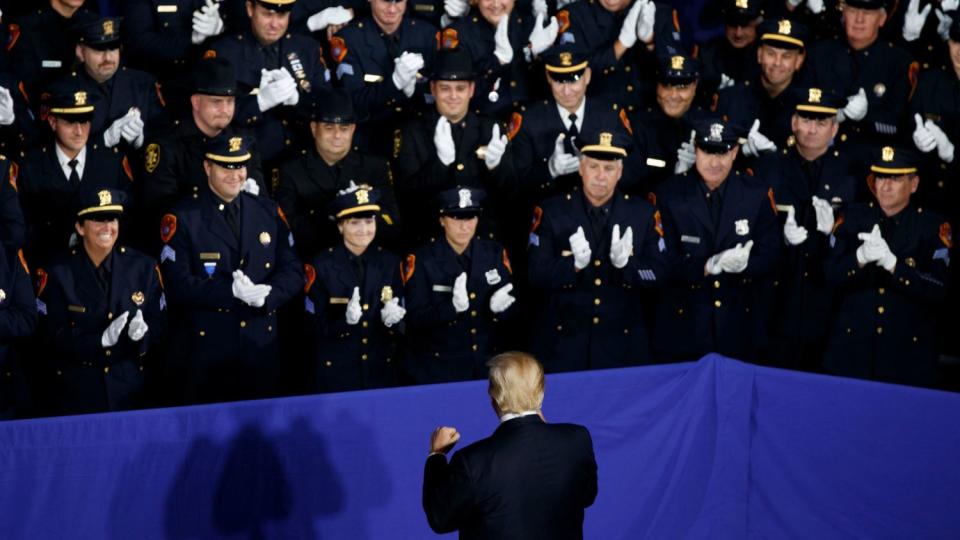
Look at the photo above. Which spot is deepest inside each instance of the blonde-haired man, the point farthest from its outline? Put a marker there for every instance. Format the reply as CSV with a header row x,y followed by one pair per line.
x,y
530,479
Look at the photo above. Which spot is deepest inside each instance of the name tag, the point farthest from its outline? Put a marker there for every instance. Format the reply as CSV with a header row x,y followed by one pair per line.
x,y
76,309
423,7
51,64
372,78
207,256
339,300
654,162
442,288
784,207
167,9
690,239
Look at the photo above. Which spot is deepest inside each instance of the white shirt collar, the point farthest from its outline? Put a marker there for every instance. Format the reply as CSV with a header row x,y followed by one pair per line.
x,y
511,416
64,160
565,115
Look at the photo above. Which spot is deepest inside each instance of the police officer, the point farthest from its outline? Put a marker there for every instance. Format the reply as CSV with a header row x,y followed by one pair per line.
x,y
450,146
458,295
889,261
18,320
723,235
609,31
380,60
52,176
229,264
876,75
353,296
274,70
310,183
42,44
764,102
595,254
502,43
173,161
129,100
663,132
102,309
729,58
813,181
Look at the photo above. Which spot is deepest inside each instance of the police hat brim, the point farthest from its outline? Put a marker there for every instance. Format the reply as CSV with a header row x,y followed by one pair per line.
x,y
114,211
866,4
283,6
780,41
467,76
108,45
677,80
740,18
564,77
360,212
816,112
73,114
717,147
462,213
229,162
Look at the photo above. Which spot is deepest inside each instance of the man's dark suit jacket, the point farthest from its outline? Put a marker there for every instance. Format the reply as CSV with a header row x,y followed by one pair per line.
x,y
528,480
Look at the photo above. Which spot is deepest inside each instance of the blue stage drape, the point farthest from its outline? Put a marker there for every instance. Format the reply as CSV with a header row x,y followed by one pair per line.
x,y
714,449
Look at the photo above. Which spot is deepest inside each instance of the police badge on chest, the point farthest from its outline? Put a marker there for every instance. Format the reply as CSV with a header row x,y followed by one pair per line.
x,y
742,227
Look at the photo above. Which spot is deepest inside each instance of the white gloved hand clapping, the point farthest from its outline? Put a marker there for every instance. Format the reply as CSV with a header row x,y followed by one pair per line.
x,y
495,149
250,186
392,312
247,291
736,260
725,81
944,22
539,9
456,8
645,21
543,37
580,248
7,114
501,41
875,249
443,141
757,143
816,6
502,299
686,155
922,137
405,70
275,89
334,16
560,162
628,31
206,22
461,302
824,211
944,146
138,327
793,233
621,247
914,19
354,311
132,130
856,108
113,134
112,334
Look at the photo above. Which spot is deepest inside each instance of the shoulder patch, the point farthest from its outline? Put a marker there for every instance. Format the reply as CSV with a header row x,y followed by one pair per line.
x,y
773,201
946,234
625,121
210,53
168,227
23,261
41,281
13,174
506,261
338,49
152,157
448,38
407,268
837,224
537,218
516,120
283,217
310,273
658,223
563,17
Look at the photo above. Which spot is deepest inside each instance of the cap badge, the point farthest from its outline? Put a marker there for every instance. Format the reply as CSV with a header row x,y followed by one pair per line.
x,y
80,98
815,95
235,143
566,59
137,298
105,197
716,133
887,153
363,196
784,27
676,62
107,28
742,4
606,139
465,198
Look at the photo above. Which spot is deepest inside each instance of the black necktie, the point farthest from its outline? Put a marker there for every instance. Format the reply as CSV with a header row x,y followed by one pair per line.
x,y
713,204
271,56
74,176
572,133
233,219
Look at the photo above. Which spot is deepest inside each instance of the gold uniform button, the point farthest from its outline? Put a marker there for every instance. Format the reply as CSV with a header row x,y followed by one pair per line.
x,y
597,282
473,313
243,324
363,356
473,331
460,166
881,290
365,324
879,330
880,310
915,339
270,329
716,284
474,347
366,307
473,296
364,341
202,333
717,303
106,369
559,328
267,265
680,311
596,320
596,301
329,363
596,262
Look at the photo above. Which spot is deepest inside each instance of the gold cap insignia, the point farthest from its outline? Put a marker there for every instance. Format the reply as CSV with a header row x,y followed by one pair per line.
x,y
814,95
887,153
265,238
716,133
137,298
566,59
363,196
105,197
742,4
235,143
108,28
80,98
606,139
784,27
676,62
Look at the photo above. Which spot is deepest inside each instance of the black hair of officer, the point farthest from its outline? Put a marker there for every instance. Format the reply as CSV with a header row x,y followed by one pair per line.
x,y
461,202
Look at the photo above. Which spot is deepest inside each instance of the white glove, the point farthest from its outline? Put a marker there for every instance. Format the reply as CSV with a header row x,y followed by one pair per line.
x,y
737,258
757,143
354,311
944,22
560,162
794,3
539,9
112,334
856,107
543,37
816,6
251,186
460,300
580,248
443,140
275,89
405,68
132,131
628,31
247,291
645,22
351,187
914,19
335,16
284,77
922,137
138,327
686,155
949,5
621,247
392,312
501,299
456,8
564,3
944,146
113,134
7,116
793,233
714,266
501,40
206,22
725,82
495,149
875,249
824,212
